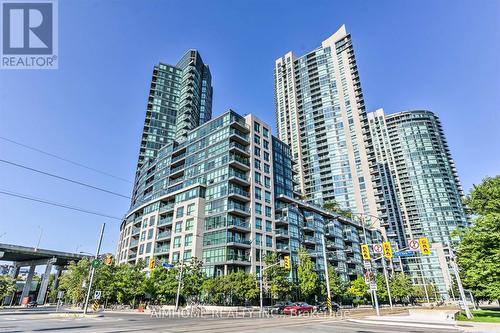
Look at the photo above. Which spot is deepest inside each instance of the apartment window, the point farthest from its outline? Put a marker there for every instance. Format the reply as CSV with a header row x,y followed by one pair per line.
x,y
152,220
258,239
258,223
178,226
258,193
268,197
267,168
150,233
175,257
189,224
265,132
267,182
177,242
187,255
188,240
256,127
266,144
256,139
256,151
148,247
266,156
258,208
268,211
141,249
269,241
190,209
180,212
257,177
269,226
257,164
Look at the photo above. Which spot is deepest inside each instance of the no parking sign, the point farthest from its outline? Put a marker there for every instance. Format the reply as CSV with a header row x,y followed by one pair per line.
x,y
414,245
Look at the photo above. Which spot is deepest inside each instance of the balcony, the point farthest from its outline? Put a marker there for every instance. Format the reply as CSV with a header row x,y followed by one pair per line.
x,y
165,221
177,159
239,209
136,231
238,193
281,234
134,243
167,207
240,124
309,226
237,223
238,178
239,136
282,248
162,249
239,148
281,220
238,242
309,240
163,235
132,255
238,259
239,162
177,171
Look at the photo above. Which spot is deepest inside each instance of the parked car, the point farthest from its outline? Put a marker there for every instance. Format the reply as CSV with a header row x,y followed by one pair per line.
x,y
322,307
299,307
279,307
32,304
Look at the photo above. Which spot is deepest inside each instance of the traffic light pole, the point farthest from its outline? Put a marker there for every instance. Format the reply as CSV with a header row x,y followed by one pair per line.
x,y
179,288
93,271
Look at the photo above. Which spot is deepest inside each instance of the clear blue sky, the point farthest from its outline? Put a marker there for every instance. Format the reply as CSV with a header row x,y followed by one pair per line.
x,y
438,55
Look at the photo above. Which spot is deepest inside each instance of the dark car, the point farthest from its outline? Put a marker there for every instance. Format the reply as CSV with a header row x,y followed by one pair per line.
x,y
279,307
32,304
322,307
299,307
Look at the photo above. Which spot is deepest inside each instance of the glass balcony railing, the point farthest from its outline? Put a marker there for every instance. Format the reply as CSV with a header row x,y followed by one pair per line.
x,y
233,221
237,206
134,242
165,220
238,240
238,257
162,249
239,146
163,234
239,191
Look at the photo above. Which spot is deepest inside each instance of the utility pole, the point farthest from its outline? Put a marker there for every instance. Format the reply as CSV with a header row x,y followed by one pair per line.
x,y
373,292
93,270
459,283
329,296
179,288
261,271
387,281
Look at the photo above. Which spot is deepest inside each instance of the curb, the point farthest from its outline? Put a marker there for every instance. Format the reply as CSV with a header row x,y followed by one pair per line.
x,y
75,315
403,323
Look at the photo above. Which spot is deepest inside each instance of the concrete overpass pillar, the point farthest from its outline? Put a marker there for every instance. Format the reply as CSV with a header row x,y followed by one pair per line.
x,y
27,285
42,292
59,270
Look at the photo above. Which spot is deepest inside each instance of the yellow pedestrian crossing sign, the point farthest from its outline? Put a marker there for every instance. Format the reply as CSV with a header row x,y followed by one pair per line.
x,y
425,247
387,249
365,251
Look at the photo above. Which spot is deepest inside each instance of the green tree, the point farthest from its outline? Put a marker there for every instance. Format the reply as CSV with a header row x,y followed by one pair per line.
x,y
338,287
106,281
478,252
308,279
243,287
382,293
193,278
73,281
162,284
401,286
7,286
277,278
358,288
334,207
213,290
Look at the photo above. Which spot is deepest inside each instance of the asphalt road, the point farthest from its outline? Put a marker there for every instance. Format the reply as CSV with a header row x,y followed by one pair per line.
x,y
112,322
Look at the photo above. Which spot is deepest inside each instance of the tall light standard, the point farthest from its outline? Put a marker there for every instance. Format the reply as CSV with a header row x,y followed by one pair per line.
x,y
93,270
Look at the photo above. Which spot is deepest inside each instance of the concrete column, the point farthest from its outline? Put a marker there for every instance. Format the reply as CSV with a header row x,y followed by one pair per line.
x,y
59,270
27,285
14,272
42,292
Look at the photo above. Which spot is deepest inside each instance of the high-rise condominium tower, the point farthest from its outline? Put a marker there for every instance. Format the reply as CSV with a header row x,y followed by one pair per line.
x,y
418,175
180,99
321,114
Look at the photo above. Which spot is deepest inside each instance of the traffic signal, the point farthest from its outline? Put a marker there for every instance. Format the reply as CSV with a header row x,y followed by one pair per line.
x,y
286,261
387,249
152,263
365,251
425,247
109,260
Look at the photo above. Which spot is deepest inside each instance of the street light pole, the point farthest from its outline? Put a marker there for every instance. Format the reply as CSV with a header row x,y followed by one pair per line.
x,y
93,270
179,288
459,283
261,271
327,278
373,292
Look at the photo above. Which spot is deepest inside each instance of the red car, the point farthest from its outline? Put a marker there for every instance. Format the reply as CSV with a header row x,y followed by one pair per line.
x,y
296,308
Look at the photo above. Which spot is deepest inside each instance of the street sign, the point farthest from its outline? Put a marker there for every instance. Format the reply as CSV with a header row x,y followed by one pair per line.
x,y
387,250
425,247
60,294
404,254
377,248
97,294
96,263
373,286
286,262
367,264
365,251
167,265
152,263
414,245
